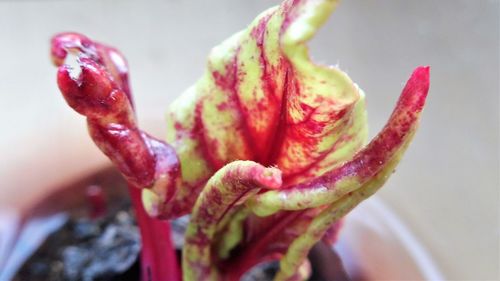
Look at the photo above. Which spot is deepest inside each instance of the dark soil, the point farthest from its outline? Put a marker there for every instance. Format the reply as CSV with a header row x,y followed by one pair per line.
x,y
106,248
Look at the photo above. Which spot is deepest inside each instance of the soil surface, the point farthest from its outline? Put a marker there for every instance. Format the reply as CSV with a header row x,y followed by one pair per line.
x,y
105,248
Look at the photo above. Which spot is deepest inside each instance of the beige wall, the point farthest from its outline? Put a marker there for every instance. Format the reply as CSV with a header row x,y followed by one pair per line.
x,y
447,187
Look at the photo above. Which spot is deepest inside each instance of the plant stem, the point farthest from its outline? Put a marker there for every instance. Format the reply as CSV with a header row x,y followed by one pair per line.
x,y
158,258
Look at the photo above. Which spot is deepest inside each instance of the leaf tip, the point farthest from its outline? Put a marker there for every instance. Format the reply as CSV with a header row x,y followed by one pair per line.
x,y
271,178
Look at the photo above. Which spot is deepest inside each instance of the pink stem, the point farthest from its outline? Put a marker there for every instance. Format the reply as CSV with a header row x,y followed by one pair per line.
x,y
158,259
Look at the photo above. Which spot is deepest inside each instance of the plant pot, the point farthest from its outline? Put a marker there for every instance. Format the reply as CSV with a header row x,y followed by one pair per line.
x,y
373,244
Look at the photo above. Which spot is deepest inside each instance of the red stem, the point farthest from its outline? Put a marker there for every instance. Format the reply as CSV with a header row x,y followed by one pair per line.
x,y
158,258
255,251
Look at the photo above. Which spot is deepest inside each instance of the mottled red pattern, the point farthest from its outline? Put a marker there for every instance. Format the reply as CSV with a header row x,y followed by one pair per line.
x,y
265,240
238,181
366,163
275,100
199,130
289,7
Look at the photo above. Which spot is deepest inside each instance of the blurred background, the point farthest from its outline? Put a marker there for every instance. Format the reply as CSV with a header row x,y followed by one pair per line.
x,y
447,187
